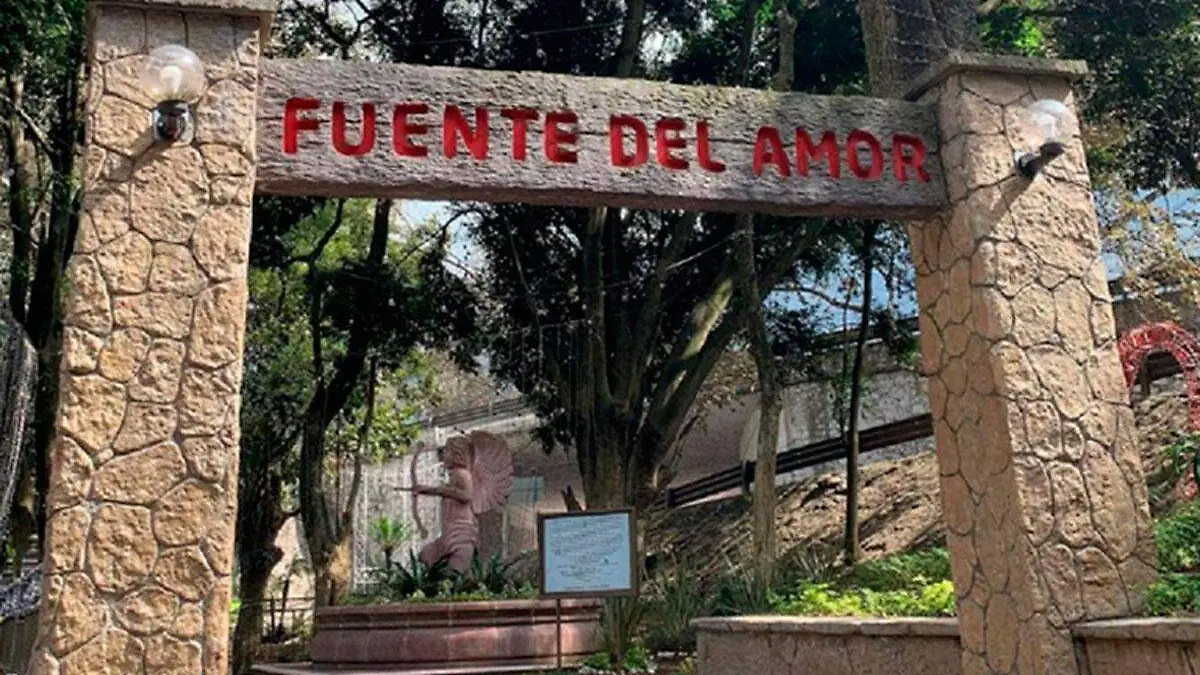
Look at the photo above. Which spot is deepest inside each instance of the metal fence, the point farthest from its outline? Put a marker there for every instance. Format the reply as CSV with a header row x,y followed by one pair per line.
x,y
16,644
1158,366
284,618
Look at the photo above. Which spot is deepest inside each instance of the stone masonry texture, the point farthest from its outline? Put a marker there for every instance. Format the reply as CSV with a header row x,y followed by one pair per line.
x,y
1044,496
144,475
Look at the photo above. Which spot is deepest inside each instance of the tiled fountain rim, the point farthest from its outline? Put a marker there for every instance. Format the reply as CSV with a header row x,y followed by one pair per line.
x,y
450,608
905,626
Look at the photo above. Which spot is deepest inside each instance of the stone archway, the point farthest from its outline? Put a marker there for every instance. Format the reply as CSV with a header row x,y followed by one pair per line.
x,y
1016,322
1139,343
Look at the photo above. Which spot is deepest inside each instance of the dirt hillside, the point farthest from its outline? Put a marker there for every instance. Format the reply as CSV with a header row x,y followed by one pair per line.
x,y
900,505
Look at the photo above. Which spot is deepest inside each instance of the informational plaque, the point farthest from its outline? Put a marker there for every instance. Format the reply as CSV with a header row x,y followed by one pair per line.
x,y
587,554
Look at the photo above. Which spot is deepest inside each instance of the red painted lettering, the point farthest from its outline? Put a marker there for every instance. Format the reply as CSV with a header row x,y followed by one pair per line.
x,y
704,147
402,129
666,139
857,138
455,126
903,161
520,117
556,137
293,124
366,141
616,141
827,149
768,149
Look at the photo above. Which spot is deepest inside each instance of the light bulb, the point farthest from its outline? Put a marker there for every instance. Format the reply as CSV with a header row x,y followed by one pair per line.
x,y
173,73
1053,120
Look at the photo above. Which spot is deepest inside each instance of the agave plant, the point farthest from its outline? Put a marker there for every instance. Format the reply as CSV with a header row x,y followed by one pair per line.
x,y
390,535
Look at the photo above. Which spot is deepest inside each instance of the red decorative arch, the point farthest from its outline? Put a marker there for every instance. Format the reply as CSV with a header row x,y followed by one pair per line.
x,y
1135,345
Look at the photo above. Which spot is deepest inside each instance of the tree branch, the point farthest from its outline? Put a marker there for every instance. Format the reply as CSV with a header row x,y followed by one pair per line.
x,y
38,135
318,250
649,319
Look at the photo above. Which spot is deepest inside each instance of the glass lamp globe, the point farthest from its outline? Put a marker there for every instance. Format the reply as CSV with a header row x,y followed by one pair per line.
x,y
1054,122
174,77
173,73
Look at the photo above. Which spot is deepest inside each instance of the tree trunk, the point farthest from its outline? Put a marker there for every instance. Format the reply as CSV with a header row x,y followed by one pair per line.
x,y
852,547
770,395
260,516
254,575
604,486
323,527
742,68
631,37
770,405
17,385
905,37
44,320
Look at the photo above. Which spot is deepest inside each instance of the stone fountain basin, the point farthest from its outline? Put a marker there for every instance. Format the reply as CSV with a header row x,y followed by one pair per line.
x,y
445,637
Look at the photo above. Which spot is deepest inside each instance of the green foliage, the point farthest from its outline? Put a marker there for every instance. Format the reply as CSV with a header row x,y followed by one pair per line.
x,y
738,591
1174,594
1010,29
389,535
824,599
909,571
417,582
674,600
1176,460
1177,590
620,626
637,659
1178,539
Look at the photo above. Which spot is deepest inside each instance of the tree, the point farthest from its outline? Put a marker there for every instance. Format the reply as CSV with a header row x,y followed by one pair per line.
x,y
769,385
41,54
375,309
302,249
611,325
853,438
905,37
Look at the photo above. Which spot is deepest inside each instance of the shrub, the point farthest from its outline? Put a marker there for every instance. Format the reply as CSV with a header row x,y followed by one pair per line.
x,y
1176,461
739,592
1174,594
906,571
620,626
418,582
636,660
823,599
1178,538
675,599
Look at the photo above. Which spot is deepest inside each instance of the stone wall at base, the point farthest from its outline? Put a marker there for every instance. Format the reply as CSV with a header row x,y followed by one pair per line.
x,y
805,646
1140,646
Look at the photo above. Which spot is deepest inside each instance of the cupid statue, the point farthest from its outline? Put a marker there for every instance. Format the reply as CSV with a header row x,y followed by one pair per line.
x,y
480,475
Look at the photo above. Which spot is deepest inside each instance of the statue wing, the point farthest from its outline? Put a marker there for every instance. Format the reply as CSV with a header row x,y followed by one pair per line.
x,y
491,473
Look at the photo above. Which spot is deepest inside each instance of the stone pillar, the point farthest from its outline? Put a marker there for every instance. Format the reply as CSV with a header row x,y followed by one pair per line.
x,y
144,480
1045,501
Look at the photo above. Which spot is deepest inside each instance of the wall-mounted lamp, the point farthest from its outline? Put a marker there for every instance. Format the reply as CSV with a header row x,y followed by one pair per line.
x,y
173,76
1053,121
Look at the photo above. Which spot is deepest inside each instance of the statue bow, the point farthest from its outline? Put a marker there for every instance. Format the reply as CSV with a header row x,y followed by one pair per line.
x,y
416,511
